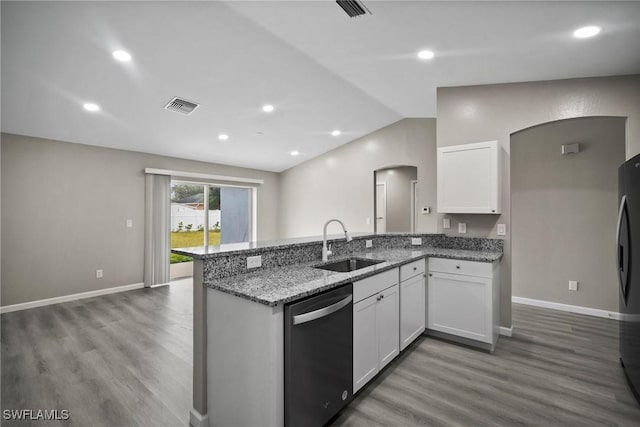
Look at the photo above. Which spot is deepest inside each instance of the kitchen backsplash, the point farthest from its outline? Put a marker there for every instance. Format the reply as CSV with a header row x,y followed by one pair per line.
x,y
220,265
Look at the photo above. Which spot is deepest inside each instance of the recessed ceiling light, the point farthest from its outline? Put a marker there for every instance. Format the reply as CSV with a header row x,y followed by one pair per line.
x,y
122,56
91,107
336,133
426,54
223,136
294,153
267,108
586,32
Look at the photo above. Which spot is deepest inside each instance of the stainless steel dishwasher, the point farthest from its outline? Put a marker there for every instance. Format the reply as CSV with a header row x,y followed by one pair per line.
x,y
318,357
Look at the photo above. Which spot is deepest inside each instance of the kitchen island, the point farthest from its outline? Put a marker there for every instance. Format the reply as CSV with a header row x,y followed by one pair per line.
x,y
238,312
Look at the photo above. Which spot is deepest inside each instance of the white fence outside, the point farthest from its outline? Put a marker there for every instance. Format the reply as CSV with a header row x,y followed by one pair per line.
x,y
188,215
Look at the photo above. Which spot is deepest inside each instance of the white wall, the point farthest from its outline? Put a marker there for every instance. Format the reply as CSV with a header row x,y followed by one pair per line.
x,y
73,201
340,183
494,112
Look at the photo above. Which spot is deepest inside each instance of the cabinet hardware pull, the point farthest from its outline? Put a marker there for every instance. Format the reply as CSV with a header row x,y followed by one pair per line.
x,y
415,268
457,266
430,275
322,312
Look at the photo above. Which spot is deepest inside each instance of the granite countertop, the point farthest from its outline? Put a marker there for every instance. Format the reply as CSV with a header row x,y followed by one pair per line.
x,y
281,285
248,248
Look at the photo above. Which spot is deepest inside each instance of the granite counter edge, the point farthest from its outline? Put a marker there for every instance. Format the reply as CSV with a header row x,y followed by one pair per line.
x,y
481,256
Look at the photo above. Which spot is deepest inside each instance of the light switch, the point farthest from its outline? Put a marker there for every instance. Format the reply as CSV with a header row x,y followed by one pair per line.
x,y
462,227
446,223
502,229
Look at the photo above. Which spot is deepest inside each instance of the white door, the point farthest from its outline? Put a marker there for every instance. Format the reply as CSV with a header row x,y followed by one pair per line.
x,y
365,342
388,318
381,207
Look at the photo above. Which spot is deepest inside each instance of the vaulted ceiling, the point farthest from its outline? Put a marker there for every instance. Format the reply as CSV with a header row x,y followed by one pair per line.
x,y
320,69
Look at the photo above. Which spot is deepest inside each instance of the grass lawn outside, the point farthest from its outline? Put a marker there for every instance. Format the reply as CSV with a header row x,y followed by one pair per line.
x,y
188,239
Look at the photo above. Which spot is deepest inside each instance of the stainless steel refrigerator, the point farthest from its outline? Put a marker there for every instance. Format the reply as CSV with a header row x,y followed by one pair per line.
x,y
628,263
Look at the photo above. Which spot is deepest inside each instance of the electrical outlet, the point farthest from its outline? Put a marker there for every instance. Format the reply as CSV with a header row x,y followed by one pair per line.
x,y
502,229
254,261
99,274
462,227
367,220
129,223
416,241
368,243
446,223
573,285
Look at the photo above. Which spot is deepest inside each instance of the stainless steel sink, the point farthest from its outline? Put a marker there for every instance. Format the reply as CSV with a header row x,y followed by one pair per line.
x,y
350,264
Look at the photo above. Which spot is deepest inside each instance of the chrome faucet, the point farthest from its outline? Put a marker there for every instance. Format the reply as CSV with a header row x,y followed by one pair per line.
x,y
326,252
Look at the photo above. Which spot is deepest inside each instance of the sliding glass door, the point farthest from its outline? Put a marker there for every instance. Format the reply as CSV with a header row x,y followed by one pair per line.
x,y
204,214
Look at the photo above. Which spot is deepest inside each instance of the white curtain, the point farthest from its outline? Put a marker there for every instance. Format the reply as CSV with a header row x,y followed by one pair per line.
x,y
157,213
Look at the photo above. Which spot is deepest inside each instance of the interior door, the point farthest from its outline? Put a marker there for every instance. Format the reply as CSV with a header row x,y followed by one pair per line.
x,y
414,205
381,208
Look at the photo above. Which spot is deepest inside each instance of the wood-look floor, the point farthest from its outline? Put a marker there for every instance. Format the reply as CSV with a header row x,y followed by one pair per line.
x,y
116,360
125,360
558,369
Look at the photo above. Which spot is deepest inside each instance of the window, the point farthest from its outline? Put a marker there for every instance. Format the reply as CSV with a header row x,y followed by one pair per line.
x,y
225,212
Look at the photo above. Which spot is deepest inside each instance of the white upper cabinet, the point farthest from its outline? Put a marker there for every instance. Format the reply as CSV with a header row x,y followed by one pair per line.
x,y
469,178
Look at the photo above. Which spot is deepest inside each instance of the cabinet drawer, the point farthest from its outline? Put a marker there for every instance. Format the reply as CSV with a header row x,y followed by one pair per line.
x,y
414,268
456,266
372,285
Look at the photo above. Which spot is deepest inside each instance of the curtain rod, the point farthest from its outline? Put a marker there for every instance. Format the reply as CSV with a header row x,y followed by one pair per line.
x,y
183,174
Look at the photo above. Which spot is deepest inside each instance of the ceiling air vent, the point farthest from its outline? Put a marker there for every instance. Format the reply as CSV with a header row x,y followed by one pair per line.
x,y
181,106
353,8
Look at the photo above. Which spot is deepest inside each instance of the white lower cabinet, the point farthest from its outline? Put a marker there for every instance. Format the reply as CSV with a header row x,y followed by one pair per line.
x,y
463,299
412,302
376,329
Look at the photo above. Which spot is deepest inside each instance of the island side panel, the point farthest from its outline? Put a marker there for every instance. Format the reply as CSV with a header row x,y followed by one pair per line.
x,y
245,362
199,346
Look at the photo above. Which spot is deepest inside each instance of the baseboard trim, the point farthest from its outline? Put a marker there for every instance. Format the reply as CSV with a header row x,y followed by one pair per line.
x,y
569,308
198,420
66,298
507,332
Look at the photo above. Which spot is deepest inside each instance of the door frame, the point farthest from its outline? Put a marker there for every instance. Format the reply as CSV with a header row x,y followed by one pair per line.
x,y
375,206
414,201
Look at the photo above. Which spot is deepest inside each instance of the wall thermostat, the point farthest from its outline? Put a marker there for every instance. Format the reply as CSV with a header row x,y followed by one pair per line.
x,y
570,149
426,210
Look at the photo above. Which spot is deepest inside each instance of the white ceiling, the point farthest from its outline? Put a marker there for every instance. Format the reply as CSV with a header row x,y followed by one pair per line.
x,y
319,68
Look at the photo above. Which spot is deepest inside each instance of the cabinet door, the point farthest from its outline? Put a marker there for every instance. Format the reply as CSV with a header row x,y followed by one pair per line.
x,y
469,178
365,342
388,321
457,305
412,315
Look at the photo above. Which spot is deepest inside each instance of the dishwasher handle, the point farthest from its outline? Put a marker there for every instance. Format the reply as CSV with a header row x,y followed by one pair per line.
x,y
322,312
